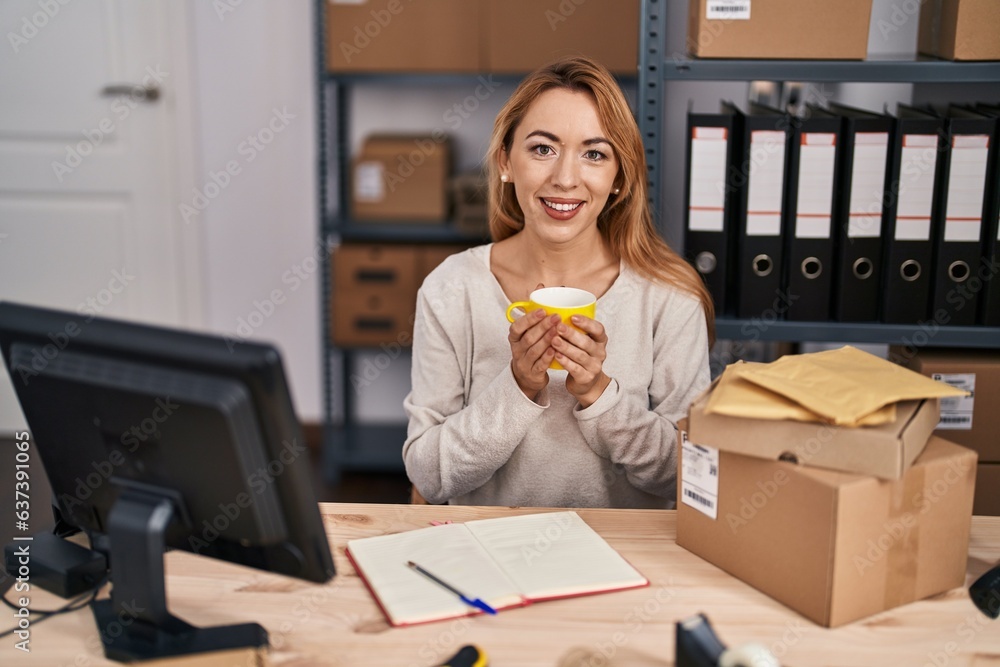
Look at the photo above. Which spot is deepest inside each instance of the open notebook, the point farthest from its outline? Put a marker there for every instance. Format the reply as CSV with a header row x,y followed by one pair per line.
x,y
506,562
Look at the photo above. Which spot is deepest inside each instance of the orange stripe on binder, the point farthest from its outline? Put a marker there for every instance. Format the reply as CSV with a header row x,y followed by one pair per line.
x,y
915,140
719,133
819,139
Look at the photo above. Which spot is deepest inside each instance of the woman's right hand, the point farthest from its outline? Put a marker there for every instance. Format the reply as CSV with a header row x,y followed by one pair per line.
x,y
531,350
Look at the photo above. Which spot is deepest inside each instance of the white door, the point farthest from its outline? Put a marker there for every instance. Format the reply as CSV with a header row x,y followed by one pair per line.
x,y
88,163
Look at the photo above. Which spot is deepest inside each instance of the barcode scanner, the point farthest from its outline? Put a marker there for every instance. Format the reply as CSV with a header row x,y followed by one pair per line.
x,y
985,592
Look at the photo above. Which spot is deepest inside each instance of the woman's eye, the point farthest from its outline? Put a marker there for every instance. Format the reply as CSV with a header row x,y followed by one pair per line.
x,y
542,149
595,155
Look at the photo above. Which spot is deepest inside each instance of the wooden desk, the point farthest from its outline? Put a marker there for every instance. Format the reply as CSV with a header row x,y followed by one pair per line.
x,y
339,624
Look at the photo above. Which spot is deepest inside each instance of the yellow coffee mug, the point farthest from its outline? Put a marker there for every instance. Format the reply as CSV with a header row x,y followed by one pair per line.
x,y
562,301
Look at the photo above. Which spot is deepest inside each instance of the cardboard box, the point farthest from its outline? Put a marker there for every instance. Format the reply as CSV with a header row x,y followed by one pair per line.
x,y
374,294
884,451
834,547
402,178
960,29
522,35
403,36
975,421
815,29
987,502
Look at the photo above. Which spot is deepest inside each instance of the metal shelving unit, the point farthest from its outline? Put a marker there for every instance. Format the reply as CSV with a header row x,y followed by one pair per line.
x,y
347,443
656,68
354,445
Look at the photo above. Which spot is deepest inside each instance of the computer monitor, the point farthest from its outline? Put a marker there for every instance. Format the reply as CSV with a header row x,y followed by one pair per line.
x,y
154,438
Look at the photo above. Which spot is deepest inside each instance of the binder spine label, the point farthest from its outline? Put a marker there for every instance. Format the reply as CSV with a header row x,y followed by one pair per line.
x,y
814,203
966,187
767,175
732,10
707,194
700,477
917,166
956,411
871,151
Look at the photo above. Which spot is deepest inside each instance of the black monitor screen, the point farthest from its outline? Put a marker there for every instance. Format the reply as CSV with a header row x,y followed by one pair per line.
x,y
128,418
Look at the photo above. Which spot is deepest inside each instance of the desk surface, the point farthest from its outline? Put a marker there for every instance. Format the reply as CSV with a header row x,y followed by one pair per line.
x,y
339,624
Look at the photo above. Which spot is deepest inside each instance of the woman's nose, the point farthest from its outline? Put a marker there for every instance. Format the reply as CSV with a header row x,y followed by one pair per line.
x,y
566,173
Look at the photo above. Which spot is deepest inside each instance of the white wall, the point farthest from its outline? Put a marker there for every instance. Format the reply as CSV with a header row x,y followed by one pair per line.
x,y
253,72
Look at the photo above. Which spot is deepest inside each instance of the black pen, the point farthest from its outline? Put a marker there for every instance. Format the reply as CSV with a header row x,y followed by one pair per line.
x,y
472,602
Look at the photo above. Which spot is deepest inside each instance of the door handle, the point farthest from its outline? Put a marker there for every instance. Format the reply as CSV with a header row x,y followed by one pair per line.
x,y
137,92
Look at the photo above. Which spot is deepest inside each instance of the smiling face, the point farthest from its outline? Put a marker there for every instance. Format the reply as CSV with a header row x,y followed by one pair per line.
x,y
561,165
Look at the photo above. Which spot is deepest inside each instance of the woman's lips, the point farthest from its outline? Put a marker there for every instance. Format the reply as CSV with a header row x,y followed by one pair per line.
x,y
561,209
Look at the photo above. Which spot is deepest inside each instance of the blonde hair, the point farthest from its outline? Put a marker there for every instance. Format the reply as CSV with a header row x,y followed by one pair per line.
x,y
625,223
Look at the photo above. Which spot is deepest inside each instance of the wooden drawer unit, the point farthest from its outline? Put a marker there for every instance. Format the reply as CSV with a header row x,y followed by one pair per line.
x,y
374,294
375,290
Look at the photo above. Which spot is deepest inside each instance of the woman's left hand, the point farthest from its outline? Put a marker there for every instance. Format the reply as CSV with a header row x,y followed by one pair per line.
x,y
582,353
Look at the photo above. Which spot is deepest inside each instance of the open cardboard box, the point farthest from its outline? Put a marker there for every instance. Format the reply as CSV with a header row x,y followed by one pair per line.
x,y
885,451
835,547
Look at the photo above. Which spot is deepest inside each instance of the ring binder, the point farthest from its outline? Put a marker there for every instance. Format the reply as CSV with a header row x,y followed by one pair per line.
x,y
909,233
760,210
961,210
859,212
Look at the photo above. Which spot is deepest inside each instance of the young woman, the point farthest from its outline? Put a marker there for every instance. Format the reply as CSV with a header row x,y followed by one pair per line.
x,y
489,422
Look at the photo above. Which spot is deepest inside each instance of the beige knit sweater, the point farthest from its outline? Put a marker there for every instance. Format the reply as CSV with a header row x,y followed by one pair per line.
x,y
475,438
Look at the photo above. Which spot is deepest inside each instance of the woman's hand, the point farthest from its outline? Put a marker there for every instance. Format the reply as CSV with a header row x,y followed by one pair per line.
x,y
531,350
582,354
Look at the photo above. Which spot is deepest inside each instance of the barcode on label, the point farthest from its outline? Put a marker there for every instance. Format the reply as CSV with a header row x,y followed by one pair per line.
x,y
956,420
698,498
728,10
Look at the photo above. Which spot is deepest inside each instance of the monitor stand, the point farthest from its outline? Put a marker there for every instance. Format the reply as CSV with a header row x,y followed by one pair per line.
x,y
134,623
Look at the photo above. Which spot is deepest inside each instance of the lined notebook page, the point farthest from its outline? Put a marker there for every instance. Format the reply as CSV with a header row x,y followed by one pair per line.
x,y
449,552
555,554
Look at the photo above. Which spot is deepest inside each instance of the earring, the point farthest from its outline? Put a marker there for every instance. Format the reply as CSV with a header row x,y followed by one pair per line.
x,y
503,177
617,190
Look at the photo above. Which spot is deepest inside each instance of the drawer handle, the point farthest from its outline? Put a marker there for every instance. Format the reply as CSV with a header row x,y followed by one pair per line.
x,y
375,324
376,276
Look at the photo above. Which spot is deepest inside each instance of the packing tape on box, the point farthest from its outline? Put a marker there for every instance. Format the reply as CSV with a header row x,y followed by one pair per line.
x,y
903,529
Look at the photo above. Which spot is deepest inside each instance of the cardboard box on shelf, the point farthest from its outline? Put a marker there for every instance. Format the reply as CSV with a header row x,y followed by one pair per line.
x,y
833,546
808,29
987,502
402,178
960,29
522,35
374,294
885,451
403,36
973,421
